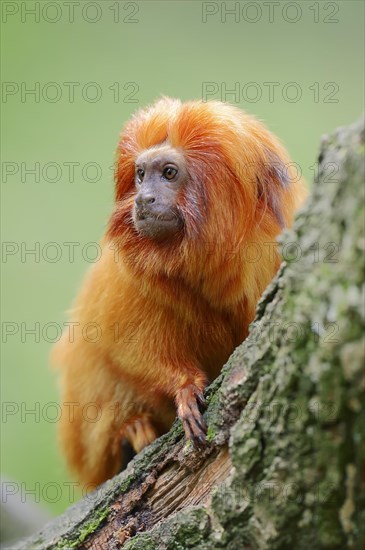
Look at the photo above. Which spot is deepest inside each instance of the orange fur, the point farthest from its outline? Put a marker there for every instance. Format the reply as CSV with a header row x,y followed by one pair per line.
x,y
170,313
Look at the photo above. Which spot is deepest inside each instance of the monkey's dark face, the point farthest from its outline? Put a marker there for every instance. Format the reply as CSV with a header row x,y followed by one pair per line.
x,y
160,173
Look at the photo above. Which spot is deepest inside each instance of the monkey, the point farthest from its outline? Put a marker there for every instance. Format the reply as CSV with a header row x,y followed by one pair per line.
x,y
202,190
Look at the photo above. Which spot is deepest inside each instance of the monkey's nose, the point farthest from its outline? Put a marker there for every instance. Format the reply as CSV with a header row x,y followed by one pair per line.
x,y
142,199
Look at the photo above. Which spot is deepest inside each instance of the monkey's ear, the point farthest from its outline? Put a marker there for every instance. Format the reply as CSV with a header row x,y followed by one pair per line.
x,y
272,180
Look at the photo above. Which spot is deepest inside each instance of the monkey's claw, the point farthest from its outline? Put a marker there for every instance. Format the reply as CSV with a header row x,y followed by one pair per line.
x,y
201,400
187,401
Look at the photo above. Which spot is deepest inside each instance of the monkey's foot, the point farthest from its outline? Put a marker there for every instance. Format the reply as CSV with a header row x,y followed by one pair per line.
x,y
140,432
187,401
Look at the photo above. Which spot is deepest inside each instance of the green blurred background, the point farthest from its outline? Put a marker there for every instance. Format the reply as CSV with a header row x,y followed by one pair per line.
x,y
137,50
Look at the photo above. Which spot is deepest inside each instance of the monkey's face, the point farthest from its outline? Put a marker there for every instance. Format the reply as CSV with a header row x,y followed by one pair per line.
x,y
160,174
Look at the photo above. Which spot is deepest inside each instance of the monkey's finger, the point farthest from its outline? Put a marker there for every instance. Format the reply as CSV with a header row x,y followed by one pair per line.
x,y
194,428
198,428
199,438
194,434
201,399
191,426
200,441
196,415
188,432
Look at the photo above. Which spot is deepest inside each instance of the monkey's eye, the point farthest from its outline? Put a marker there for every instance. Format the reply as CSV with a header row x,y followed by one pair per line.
x,y
140,175
169,173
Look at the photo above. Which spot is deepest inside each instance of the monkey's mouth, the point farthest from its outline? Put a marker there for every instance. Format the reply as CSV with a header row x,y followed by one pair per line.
x,y
148,215
156,225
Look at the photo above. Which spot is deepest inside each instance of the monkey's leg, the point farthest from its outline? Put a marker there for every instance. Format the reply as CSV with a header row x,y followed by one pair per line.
x,y
187,401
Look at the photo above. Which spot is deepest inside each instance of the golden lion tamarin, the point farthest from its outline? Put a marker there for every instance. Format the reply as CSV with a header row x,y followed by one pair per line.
x,y
202,191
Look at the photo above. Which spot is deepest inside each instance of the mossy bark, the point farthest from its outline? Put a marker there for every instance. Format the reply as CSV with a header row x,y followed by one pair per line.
x,y
285,467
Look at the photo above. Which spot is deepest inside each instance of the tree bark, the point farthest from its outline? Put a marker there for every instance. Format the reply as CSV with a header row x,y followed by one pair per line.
x,y
284,467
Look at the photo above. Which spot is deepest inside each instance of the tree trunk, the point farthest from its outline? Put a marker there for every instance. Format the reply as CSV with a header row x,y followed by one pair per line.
x,y
285,463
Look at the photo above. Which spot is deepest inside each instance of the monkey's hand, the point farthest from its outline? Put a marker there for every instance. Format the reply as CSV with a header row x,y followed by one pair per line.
x,y
187,401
